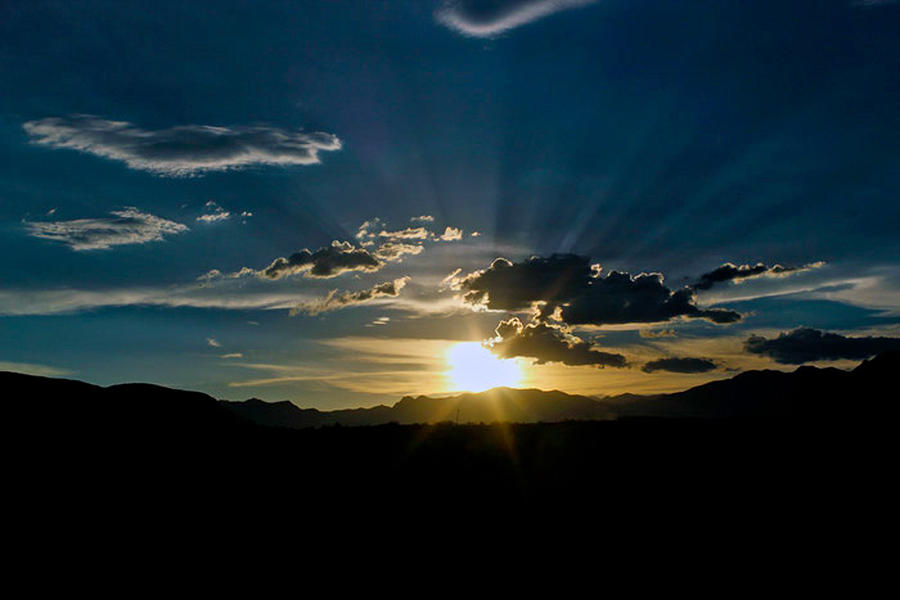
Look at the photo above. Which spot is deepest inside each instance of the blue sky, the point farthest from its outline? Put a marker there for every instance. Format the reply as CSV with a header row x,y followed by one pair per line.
x,y
144,145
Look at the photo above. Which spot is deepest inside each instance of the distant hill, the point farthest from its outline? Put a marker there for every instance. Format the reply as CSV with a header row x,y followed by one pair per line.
x,y
82,454
128,409
498,404
807,392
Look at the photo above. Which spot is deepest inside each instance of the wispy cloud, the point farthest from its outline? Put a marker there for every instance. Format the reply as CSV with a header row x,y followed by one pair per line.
x,y
730,272
18,302
184,150
127,226
488,18
33,369
335,300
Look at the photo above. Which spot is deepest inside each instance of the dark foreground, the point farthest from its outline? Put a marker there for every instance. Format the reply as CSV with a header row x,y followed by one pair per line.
x,y
79,457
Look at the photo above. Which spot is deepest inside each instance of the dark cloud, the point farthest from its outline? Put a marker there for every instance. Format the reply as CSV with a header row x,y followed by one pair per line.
x,y
516,286
680,365
342,257
486,18
731,272
621,298
548,343
335,300
329,261
807,345
569,282
184,150
126,226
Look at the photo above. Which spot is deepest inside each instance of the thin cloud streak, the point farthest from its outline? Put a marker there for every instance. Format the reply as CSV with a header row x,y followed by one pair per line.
x,y
184,150
478,19
126,226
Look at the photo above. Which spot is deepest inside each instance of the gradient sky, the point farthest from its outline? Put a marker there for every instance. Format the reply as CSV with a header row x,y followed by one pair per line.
x,y
150,151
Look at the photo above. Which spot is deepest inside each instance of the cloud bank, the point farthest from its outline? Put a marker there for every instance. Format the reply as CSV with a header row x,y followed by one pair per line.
x,y
804,345
488,18
127,226
568,286
185,150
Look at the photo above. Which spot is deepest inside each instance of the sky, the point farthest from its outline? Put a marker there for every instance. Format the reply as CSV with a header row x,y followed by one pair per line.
x,y
341,203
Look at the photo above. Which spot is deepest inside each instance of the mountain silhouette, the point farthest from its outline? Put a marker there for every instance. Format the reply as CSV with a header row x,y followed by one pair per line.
x,y
495,405
808,392
80,453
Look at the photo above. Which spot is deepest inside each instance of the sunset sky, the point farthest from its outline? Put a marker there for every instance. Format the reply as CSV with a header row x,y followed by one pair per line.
x,y
340,203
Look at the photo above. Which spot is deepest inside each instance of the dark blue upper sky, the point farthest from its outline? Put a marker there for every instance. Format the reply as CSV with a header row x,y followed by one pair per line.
x,y
649,135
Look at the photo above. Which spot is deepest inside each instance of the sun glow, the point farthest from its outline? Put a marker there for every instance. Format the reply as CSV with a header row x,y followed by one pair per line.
x,y
474,369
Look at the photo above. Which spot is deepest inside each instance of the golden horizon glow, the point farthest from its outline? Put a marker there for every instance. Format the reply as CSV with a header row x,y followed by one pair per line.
x,y
474,369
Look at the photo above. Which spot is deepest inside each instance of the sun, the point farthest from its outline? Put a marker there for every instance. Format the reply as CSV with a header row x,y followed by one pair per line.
x,y
474,369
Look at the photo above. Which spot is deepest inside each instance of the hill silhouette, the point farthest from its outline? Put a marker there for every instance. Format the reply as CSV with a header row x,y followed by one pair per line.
x,y
78,450
807,392
495,405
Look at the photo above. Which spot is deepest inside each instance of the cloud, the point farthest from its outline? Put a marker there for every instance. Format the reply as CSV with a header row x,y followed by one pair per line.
x,y
379,322
366,231
548,343
213,217
422,219
807,345
569,287
181,151
410,233
731,272
487,18
657,333
20,302
326,262
127,226
213,342
33,369
451,234
342,257
391,251
680,365
232,355
215,213
622,298
335,300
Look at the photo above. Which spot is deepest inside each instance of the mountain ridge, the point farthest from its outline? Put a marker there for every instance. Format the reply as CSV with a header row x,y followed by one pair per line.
x,y
758,393
807,392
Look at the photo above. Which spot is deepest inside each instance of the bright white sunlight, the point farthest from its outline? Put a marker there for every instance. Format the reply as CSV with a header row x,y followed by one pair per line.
x,y
474,369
